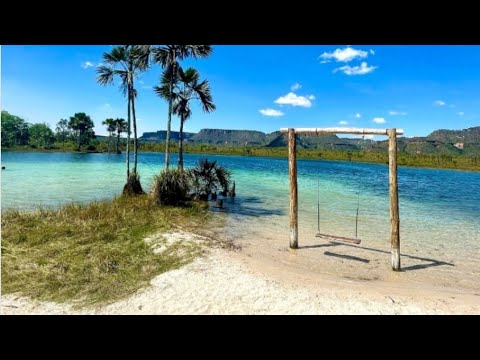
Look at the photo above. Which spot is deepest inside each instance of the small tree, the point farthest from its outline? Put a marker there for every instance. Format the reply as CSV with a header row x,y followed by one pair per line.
x,y
121,126
62,131
40,135
208,177
110,124
82,125
14,130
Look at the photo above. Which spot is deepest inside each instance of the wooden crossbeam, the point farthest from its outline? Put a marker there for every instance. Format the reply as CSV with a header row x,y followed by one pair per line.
x,y
341,130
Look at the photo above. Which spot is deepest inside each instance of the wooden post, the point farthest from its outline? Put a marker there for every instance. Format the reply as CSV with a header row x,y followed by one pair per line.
x,y
292,170
393,185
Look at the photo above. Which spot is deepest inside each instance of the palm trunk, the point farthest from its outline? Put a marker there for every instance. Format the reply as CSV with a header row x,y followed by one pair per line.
x,y
109,140
135,142
128,137
169,125
170,107
118,141
79,140
180,145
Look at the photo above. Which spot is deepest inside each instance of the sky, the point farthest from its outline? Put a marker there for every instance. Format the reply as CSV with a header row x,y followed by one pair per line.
x,y
419,88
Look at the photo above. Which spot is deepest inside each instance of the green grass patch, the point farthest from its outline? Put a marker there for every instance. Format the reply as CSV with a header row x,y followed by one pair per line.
x,y
94,253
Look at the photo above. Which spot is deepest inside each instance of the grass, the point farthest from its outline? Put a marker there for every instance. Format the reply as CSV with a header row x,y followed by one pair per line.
x,y
91,254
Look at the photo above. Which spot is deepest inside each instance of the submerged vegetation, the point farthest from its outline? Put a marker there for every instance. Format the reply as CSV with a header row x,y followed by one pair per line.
x,y
94,253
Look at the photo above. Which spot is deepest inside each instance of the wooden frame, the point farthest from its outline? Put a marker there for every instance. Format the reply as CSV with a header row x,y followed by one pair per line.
x,y
393,180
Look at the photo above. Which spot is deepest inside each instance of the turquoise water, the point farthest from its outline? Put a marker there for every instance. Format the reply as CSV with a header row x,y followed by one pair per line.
x,y
439,209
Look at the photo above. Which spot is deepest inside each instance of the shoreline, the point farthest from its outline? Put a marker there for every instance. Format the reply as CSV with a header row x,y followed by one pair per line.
x,y
299,157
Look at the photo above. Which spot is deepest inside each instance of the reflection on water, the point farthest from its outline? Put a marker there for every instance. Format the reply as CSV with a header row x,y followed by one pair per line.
x,y
439,209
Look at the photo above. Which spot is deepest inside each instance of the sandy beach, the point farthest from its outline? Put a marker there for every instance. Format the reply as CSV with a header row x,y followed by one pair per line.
x,y
236,282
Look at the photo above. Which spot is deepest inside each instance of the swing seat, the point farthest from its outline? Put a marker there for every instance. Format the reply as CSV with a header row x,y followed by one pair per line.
x,y
335,238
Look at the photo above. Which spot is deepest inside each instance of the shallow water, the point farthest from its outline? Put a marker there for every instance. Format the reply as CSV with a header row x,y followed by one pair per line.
x,y
439,209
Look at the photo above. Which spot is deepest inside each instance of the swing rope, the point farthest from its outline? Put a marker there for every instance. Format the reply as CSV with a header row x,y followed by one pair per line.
x,y
318,216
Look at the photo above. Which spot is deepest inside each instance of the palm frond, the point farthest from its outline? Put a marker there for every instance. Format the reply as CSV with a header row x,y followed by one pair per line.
x,y
195,51
139,56
188,76
202,90
105,75
181,107
164,92
163,54
118,55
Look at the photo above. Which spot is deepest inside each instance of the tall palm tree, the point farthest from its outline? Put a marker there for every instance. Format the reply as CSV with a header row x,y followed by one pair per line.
x,y
120,127
125,62
110,124
168,56
187,88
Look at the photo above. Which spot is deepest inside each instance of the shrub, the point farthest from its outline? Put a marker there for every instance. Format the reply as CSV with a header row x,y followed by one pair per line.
x,y
91,147
133,185
171,187
208,177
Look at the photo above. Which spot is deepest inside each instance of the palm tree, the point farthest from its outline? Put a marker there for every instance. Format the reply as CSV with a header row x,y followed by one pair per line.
x,y
187,88
168,56
120,127
110,124
82,125
125,62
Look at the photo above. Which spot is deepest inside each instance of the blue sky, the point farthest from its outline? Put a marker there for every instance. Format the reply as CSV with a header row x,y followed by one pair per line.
x,y
263,87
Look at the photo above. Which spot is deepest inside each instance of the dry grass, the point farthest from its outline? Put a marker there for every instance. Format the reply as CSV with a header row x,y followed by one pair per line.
x,y
91,254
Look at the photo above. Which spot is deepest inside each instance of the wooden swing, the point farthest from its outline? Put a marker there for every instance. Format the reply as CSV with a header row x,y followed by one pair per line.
x,y
336,238
392,182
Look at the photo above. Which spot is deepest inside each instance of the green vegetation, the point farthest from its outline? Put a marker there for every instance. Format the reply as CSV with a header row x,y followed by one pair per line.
x,y
73,135
91,254
459,162
82,126
133,185
171,187
40,136
168,56
208,178
63,132
177,186
14,130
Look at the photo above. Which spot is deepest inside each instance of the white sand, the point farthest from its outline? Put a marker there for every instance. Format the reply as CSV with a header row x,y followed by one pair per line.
x,y
232,282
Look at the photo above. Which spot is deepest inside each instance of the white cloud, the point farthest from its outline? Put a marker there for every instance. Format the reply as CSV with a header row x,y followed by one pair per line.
x,y
294,100
311,97
356,70
295,87
271,112
379,120
358,115
107,106
372,51
439,103
344,55
86,64
394,113
147,87
461,113
141,82
343,122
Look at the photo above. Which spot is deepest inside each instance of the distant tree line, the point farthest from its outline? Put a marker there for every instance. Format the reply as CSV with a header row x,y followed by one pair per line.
x,y
73,134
